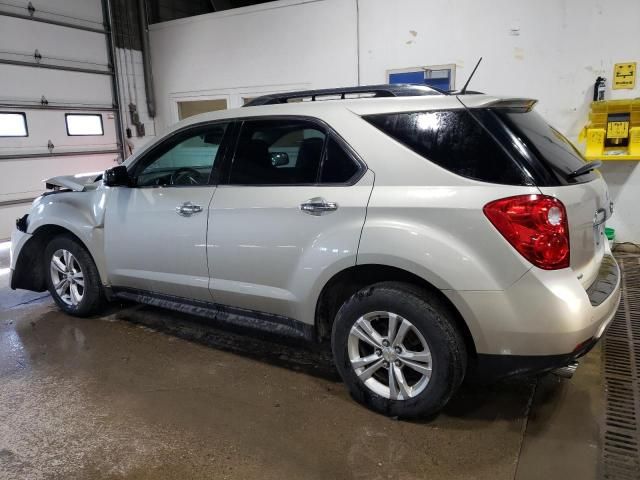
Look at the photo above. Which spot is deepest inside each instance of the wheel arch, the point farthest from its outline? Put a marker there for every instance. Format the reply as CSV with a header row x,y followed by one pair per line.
x,y
30,271
348,281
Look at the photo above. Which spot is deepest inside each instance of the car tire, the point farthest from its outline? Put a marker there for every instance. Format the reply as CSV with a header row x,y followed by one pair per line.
x,y
429,374
72,277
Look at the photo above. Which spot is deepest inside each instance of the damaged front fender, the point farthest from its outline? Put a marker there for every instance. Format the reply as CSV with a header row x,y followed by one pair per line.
x,y
79,213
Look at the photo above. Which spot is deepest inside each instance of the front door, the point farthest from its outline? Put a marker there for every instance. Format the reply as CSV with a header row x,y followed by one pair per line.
x,y
292,204
155,230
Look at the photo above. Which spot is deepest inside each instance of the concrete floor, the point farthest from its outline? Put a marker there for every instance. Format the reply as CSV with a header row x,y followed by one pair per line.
x,y
141,393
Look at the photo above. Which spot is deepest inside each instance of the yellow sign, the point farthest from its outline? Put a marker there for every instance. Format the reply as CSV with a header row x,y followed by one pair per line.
x,y
617,129
624,75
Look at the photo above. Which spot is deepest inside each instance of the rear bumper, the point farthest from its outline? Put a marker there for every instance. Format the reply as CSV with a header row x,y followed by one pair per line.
x,y
545,319
489,368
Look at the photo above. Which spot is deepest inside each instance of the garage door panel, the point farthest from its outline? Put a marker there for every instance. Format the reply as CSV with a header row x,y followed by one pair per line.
x,y
87,47
23,183
78,12
45,125
76,39
29,84
82,9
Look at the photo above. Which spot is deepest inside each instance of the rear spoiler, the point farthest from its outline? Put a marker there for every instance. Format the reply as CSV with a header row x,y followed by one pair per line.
x,y
513,104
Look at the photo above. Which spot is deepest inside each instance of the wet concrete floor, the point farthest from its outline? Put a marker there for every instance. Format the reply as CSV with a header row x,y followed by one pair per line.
x,y
141,393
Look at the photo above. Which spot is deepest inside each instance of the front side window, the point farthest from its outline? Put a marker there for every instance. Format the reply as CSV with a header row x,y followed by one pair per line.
x,y
278,152
186,160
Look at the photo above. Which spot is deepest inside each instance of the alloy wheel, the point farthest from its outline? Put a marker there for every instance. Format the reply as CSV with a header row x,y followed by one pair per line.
x,y
390,355
67,277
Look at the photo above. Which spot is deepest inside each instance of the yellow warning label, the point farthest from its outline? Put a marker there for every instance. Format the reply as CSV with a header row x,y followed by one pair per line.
x,y
617,129
624,75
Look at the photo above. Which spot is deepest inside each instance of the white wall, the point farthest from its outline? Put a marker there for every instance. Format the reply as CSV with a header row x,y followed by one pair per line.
x,y
243,52
551,50
556,52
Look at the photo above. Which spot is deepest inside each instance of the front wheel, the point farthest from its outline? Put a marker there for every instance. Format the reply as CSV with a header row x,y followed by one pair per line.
x,y
72,277
398,350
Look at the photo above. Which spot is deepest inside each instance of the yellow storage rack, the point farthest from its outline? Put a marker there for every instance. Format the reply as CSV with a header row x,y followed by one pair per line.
x,y
613,131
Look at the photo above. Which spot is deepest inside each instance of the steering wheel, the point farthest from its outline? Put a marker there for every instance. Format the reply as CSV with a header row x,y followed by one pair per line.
x,y
186,176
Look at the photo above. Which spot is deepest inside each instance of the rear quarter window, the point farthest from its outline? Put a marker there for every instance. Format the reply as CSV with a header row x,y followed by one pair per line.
x,y
454,140
551,150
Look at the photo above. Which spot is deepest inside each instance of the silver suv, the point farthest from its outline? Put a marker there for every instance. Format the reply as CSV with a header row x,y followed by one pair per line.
x,y
428,236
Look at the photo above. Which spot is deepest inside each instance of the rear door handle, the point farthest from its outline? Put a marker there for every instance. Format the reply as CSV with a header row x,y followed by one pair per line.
x,y
318,206
187,209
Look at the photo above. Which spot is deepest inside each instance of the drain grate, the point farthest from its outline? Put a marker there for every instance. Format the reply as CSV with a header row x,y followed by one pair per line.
x,y
621,362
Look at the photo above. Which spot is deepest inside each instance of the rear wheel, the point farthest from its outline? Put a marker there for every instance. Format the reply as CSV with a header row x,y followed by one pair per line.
x,y
72,277
397,349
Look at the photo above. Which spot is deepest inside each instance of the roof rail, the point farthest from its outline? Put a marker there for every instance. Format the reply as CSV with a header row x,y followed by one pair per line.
x,y
400,90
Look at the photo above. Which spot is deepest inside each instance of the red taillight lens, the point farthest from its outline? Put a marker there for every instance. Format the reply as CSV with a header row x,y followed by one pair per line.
x,y
536,226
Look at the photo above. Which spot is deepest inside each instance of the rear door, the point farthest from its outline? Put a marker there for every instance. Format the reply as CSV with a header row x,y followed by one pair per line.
x,y
293,204
585,197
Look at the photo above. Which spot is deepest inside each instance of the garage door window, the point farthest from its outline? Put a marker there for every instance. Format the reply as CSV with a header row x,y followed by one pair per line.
x,y
84,124
13,124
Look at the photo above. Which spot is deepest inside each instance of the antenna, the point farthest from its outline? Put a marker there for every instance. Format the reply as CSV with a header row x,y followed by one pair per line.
x,y
464,89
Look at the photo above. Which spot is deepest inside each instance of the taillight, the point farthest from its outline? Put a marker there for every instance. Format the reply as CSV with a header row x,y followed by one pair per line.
x,y
536,226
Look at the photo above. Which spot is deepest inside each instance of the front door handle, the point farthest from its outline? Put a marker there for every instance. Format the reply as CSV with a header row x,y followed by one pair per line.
x,y
318,206
187,209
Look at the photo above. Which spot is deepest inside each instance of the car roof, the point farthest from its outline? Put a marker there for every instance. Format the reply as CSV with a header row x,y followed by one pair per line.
x,y
359,106
324,109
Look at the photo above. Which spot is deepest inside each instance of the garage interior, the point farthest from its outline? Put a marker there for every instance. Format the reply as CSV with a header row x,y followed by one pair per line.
x,y
140,392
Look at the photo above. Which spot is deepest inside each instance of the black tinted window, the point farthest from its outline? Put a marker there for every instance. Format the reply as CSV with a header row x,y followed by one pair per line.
x,y
338,166
549,146
277,152
454,140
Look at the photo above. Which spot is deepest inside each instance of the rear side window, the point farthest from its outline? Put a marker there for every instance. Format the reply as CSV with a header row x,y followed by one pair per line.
x,y
338,166
455,141
289,152
277,152
551,149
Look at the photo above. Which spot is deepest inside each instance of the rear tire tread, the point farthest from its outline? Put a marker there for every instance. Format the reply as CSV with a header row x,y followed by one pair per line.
x,y
430,311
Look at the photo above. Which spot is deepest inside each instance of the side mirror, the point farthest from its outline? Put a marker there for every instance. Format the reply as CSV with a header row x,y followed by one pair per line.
x,y
116,177
279,159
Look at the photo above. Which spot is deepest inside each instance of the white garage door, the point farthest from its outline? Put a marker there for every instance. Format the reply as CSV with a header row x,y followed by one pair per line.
x,y
58,100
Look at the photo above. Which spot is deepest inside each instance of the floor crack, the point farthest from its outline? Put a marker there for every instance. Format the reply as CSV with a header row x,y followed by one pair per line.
x,y
28,301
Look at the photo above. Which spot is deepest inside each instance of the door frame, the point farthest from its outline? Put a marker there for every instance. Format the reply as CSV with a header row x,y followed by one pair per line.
x,y
229,153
